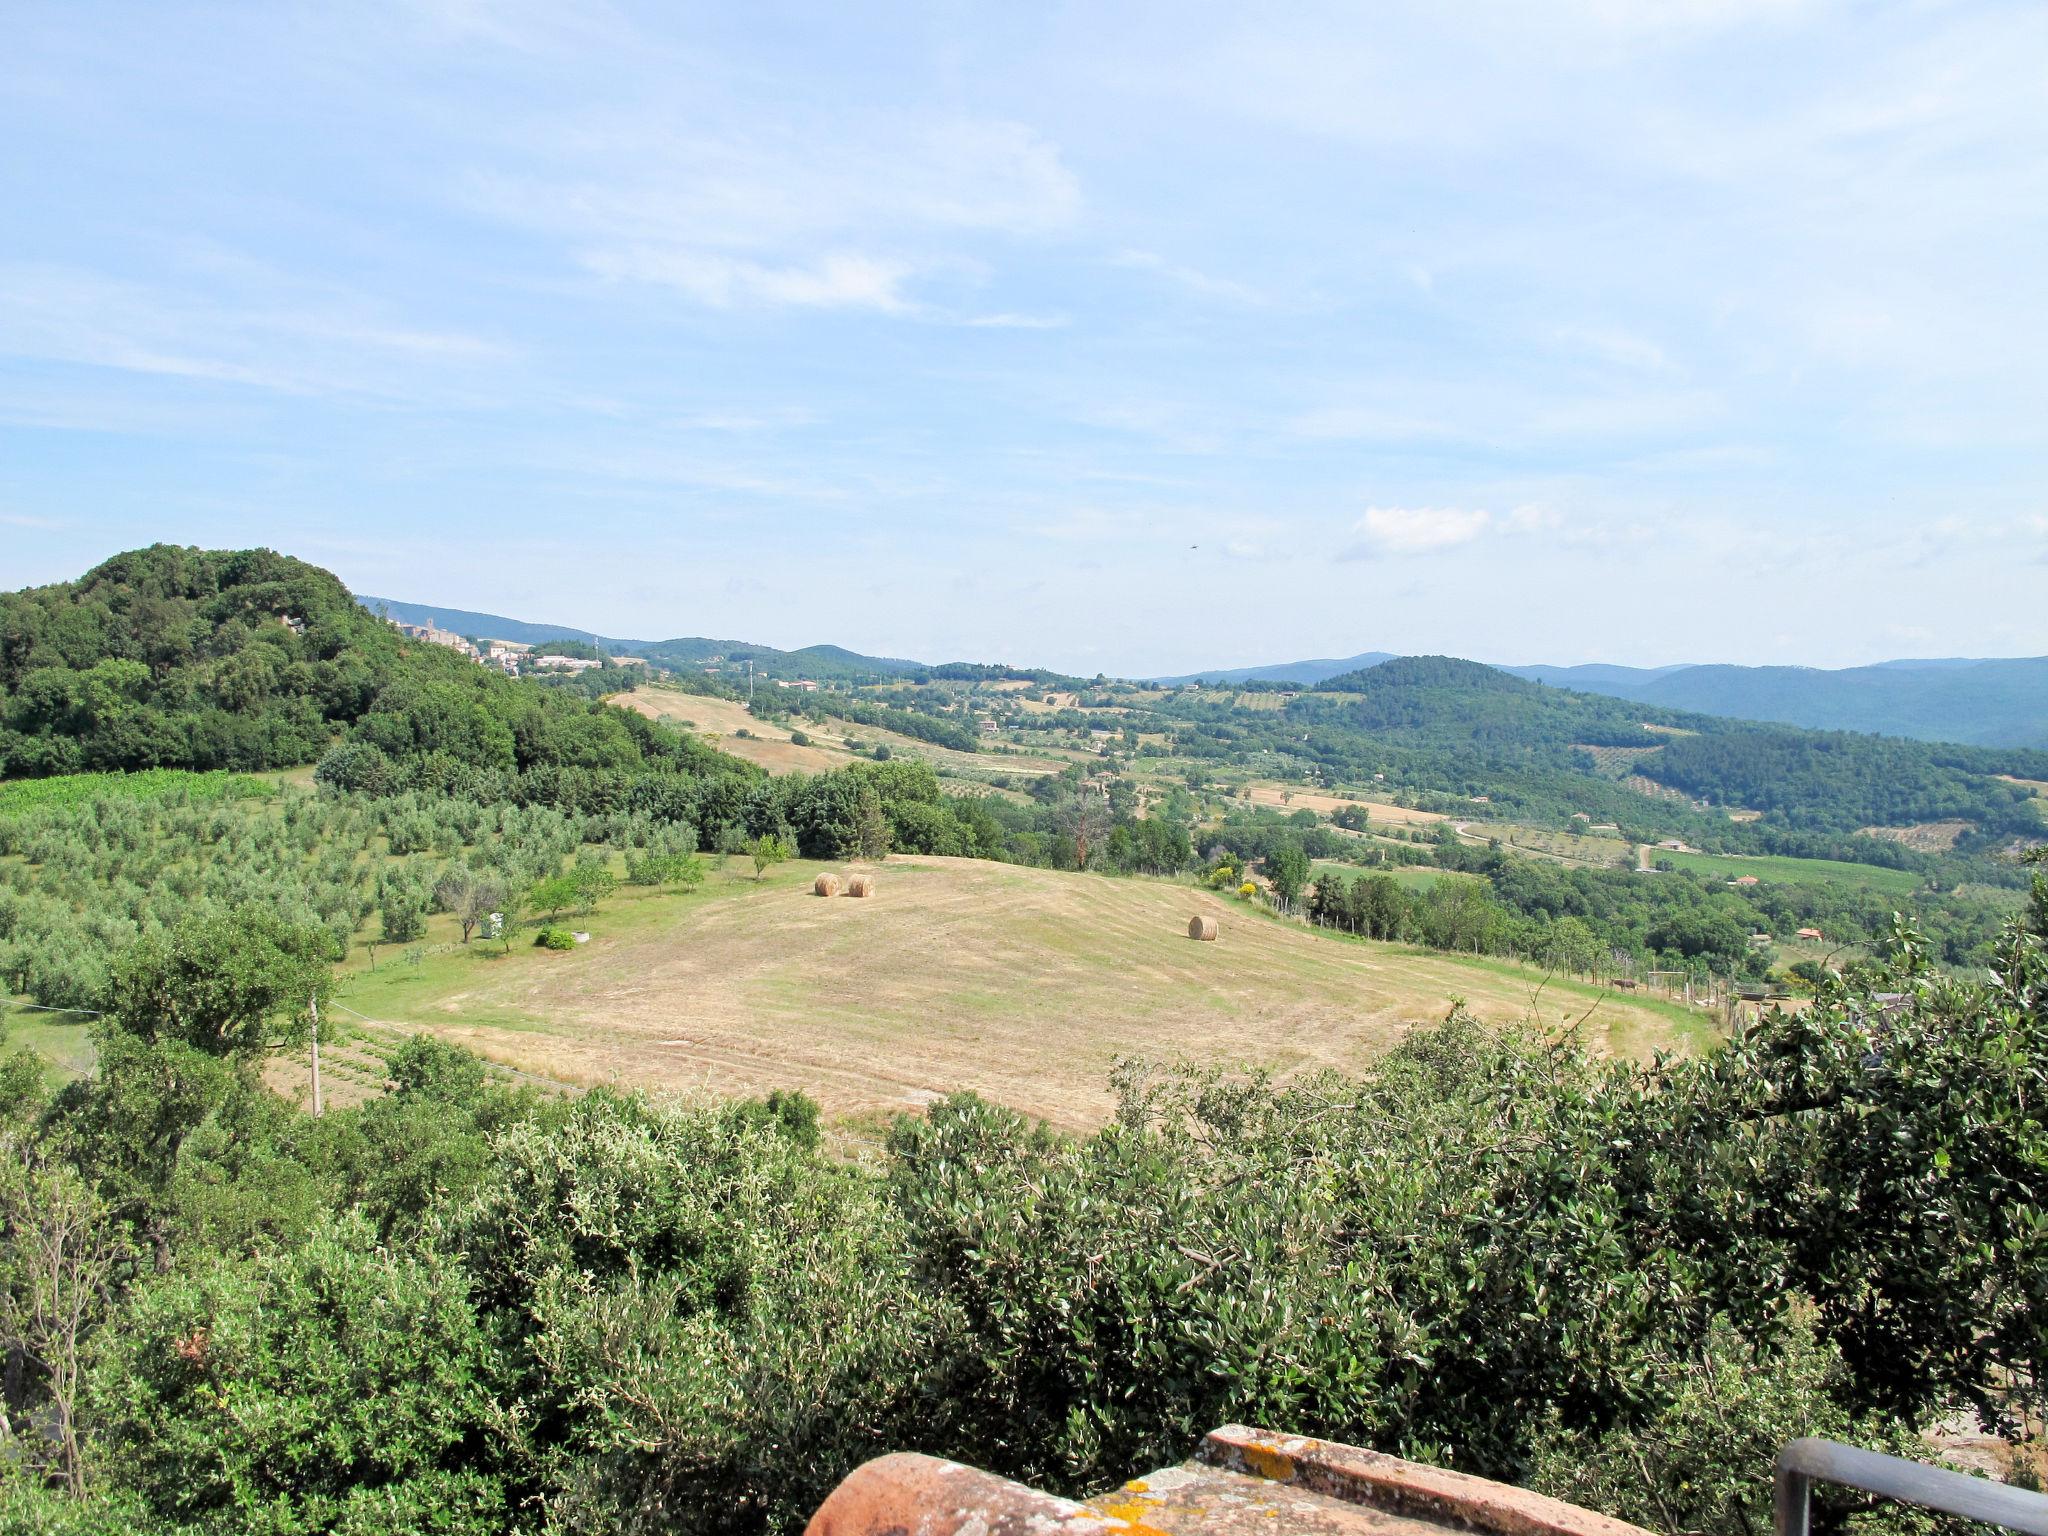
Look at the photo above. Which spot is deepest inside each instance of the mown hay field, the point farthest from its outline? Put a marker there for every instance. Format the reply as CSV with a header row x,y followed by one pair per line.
x,y
1286,797
1025,985
768,744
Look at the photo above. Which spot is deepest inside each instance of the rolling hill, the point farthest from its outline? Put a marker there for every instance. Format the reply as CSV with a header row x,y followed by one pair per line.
x,y
1049,978
1307,673
1991,703
1974,702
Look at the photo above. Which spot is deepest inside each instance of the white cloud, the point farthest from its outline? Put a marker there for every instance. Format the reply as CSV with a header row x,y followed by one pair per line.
x,y
1015,322
1190,278
294,340
1532,518
843,280
737,216
1415,530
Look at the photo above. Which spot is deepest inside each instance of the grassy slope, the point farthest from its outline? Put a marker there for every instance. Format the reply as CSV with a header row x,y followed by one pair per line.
x,y
1026,985
1784,871
769,746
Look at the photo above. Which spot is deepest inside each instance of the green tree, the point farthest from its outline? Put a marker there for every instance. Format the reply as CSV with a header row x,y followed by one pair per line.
x,y
593,883
1287,870
555,895
232,984
472,897
404,920
767,850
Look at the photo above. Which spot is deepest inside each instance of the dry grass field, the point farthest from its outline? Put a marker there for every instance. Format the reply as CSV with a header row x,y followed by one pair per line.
x,y
1023,984
1285,797
769,744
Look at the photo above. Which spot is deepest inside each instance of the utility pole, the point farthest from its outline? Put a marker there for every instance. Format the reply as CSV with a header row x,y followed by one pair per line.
x,y
317,1107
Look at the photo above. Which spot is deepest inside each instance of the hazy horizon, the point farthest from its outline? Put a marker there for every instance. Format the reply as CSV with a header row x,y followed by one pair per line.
x,y
1126,339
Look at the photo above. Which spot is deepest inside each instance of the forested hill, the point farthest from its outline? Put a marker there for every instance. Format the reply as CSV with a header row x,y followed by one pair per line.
x,y
1308,673
1991,703
248,659
1987,703
1465,729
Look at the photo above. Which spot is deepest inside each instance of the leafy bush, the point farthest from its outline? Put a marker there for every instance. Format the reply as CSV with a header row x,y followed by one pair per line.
x,y
322,1389
554,938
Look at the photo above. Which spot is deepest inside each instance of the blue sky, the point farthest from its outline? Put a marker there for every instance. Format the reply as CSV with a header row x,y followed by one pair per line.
x,y
1126,337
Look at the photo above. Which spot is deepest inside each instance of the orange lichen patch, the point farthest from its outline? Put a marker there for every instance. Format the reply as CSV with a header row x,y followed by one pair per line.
x,y
1132,1504
1267,1461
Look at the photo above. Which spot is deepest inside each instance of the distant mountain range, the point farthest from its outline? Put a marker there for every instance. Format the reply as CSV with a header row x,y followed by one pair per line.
x,y
1307,673
816,661
1992,703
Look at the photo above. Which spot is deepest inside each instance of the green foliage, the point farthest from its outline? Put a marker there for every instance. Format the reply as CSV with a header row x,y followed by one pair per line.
x,y
554,938
231,985
767,850
592,883
468,1306
682,871
176,784
1699,1459
554,895
1287,870
331,1387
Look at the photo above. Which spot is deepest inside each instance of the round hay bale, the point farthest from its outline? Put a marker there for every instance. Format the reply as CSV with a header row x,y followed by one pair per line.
x,y
861,885
826,885
1202,928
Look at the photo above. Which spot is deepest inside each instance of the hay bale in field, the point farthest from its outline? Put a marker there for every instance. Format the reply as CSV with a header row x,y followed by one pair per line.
x,y
826,885
861,885
1202,928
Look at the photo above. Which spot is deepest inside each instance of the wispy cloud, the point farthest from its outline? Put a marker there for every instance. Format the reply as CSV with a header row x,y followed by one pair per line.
x,y
1398,531
843,280
793,214
306,343
1010,321
1190,278
1414,530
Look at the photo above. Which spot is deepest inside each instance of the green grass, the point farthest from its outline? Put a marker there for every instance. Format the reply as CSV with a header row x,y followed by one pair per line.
x,y
151,784
1789,871
62,1040
1408,876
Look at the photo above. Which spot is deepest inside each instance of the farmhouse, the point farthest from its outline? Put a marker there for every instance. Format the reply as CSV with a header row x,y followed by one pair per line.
x,y
1809,933
1744,880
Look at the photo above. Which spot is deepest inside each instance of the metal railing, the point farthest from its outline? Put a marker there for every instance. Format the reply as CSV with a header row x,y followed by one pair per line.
x,y
1806,1462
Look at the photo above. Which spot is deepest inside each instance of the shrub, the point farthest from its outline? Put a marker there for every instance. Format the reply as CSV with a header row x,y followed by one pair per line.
x,y
306,1391
554,938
